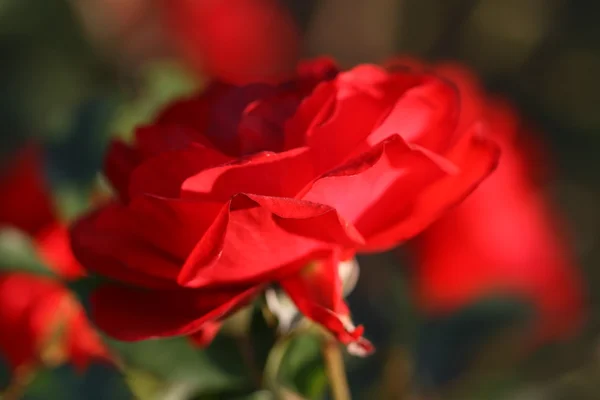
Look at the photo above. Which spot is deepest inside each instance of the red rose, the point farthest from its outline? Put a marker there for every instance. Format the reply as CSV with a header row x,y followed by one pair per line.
x,y
24,203
240,187
505,238
33,308
239,41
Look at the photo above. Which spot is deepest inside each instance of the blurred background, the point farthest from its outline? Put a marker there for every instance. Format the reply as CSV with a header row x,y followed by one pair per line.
x,y
76,73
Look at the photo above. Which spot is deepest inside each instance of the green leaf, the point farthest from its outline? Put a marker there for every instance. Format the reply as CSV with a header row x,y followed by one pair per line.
x,y
260,395
145,386
262,336
82,288
302,368
17,254
99,382
5,373
448,345
177,361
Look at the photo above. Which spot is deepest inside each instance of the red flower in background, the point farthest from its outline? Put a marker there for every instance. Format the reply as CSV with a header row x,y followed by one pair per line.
x,y
239,187
238,41
505,238
33,308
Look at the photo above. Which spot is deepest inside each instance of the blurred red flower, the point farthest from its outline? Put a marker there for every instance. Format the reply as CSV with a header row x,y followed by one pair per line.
x,y
505,238
238,41
239,187
34,308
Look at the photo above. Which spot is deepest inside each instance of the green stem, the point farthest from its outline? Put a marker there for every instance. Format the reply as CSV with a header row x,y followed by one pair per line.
x,y
272,367
336,371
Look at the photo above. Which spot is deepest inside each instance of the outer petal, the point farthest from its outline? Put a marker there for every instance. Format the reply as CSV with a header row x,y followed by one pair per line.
x,y
29,311
257,238
164,174
477,163
55,249
25,202
83,342
132,314
145,243
378,189
205,335
120,161
317,292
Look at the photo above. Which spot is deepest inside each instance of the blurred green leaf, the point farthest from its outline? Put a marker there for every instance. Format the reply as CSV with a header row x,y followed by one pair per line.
x,y
82,289
225,353
5,373
262,336
144,386
74,160
177,361
302,368
449,345
98,382
72,201
260,395
17,254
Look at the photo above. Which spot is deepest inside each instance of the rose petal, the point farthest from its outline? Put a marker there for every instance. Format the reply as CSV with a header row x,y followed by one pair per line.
x,y
119,163
425,115
83,343
311,111
145,243
164,174
205,335
270,174
479,161
258,237
132,314
377,189
25,202
317,292
152,140
193,112
29,312
54,248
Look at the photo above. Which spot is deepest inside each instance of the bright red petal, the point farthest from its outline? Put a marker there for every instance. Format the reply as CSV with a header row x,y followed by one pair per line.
x,y
378,189
83,342
479,161
54,248
206,334
260,236
29,312
268,174
317,292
